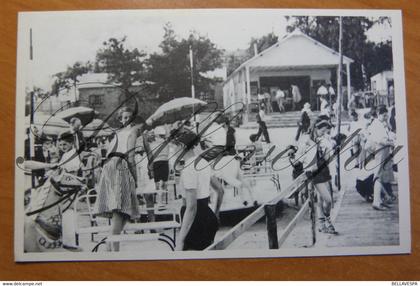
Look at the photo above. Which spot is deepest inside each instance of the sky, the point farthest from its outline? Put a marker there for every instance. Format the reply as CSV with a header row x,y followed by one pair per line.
x,y
62,38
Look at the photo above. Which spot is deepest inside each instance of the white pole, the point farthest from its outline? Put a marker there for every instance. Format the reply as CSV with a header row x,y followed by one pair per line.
x,y
348,82
248,92
192,78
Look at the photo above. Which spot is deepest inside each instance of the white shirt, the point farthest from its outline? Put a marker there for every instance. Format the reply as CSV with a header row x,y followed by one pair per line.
x,y
322,90
324,107
196,177
279,94
378,133
262,114
70,161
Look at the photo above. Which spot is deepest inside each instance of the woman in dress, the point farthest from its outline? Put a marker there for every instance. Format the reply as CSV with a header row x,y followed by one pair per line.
x,y
117,186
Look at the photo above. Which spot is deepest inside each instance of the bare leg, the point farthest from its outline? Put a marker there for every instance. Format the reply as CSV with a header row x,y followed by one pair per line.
x,y
117,224
324,207
377,191
30,236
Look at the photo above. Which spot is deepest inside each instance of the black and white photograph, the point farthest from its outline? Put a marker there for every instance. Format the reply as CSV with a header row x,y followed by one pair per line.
x,y
210,133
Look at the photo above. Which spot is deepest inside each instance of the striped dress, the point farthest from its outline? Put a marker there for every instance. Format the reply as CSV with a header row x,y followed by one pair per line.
x,y
116,188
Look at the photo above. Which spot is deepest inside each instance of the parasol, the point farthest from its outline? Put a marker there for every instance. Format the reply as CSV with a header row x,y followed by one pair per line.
x,y
175,110
47,124
97,128
85,114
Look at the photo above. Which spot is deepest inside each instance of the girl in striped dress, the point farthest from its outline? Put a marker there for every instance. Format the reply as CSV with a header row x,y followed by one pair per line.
x,y
117,185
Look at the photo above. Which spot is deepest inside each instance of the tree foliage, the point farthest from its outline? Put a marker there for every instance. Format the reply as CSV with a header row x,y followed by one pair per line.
x,y
170,70
69,78
355,43
262,43
124,66
235,59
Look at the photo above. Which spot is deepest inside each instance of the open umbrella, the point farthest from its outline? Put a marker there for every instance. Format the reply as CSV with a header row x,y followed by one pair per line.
x,y
85,114
97,128
47,124
175,110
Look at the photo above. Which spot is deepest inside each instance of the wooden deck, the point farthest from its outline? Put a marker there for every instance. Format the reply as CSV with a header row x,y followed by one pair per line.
x,y
357,223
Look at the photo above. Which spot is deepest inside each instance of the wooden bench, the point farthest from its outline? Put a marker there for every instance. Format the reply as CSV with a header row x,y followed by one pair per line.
x,y
131,227
137,238
105,227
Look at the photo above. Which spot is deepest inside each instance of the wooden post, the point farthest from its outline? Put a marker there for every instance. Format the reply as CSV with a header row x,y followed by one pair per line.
x,y
270,213
310,190
339,99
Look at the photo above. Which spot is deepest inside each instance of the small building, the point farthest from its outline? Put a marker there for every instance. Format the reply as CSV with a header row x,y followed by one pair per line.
x,y
382,84
297,59
106,98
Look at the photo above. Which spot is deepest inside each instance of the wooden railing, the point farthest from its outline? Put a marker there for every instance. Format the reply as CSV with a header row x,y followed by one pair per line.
x,y
269,211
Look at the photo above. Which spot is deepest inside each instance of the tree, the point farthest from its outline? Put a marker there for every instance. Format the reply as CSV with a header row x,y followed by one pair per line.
x,y
355,42
378,57
69,78
235,59
124,66
170,70
262,43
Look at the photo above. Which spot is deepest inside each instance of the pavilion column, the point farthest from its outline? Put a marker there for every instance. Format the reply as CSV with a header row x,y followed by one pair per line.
x,y
348,81
248,92
337,77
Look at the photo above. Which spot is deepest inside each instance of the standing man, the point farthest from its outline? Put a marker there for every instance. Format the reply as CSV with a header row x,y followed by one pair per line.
x,y
267,100
280,99
297,97
230,138
322,91
79,140
331,93
262,130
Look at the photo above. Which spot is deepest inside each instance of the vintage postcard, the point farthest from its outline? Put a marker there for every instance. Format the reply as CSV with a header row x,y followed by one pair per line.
x,y
210,133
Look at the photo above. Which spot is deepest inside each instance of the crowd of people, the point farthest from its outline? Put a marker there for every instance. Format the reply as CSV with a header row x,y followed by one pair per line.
x,y
278,100
117,168
135,155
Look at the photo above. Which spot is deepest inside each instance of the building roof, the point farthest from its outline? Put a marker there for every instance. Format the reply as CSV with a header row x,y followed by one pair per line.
x,y
387,74
294,50
97,80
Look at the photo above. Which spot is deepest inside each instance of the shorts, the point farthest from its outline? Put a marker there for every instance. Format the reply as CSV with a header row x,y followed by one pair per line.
x,y
321,175
161,171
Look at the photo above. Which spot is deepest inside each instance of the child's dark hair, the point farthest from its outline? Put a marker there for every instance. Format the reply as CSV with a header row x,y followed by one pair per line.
x,y
66,136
